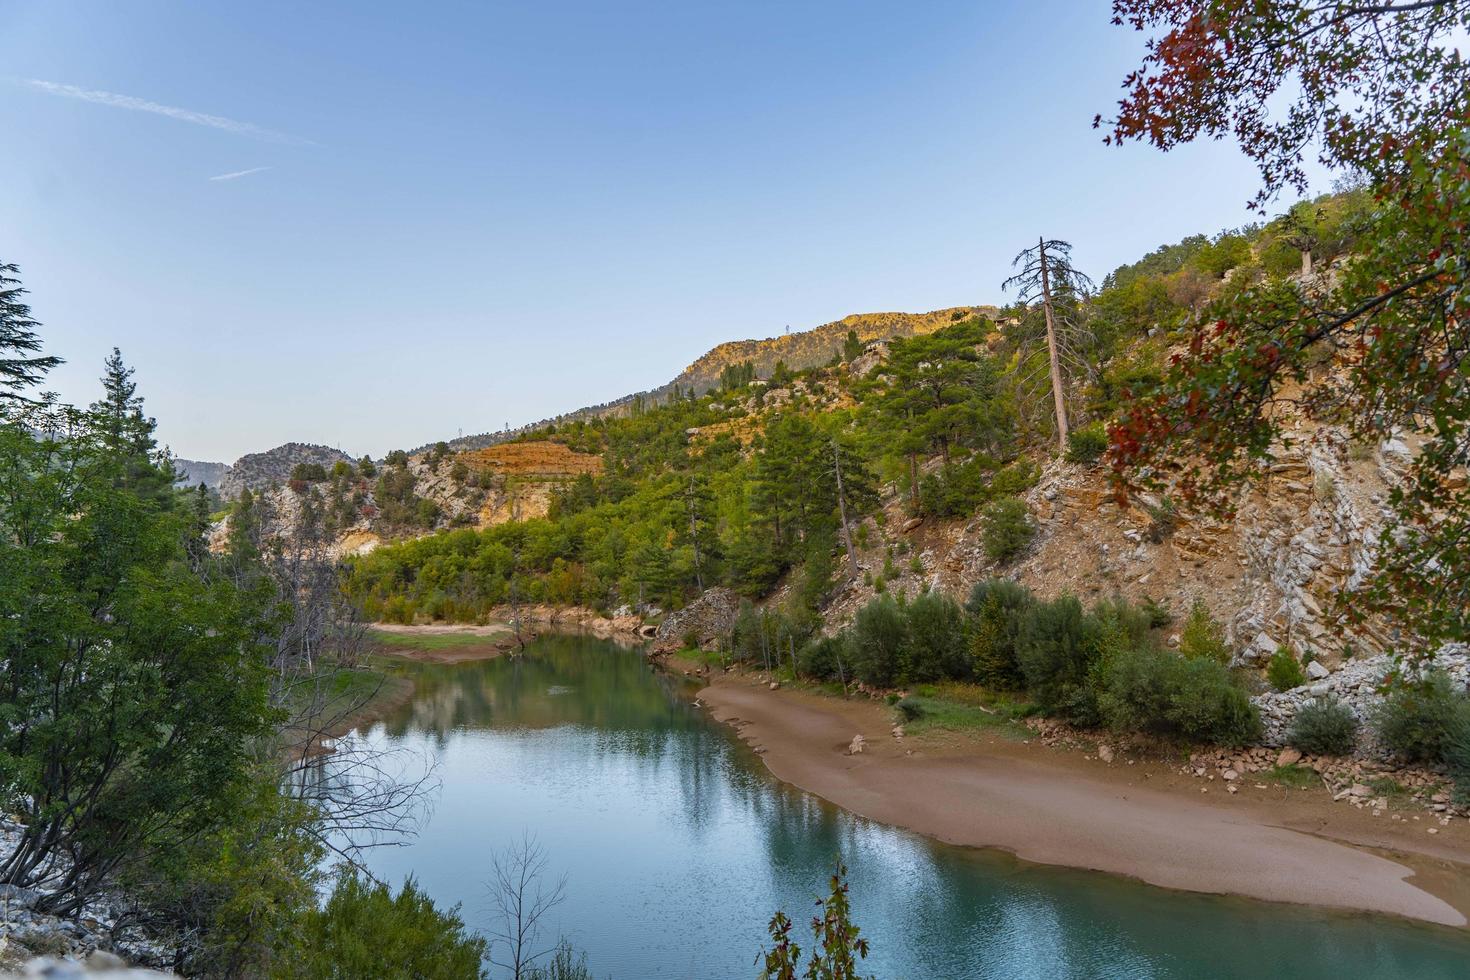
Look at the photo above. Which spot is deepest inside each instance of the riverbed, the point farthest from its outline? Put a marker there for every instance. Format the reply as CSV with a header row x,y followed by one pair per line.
x,y
678,845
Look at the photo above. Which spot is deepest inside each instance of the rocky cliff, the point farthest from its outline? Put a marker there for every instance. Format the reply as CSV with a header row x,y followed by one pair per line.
x,y
256,471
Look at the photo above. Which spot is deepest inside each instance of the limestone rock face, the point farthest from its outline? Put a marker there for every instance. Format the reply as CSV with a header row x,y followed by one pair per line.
x,y
708,619
256,471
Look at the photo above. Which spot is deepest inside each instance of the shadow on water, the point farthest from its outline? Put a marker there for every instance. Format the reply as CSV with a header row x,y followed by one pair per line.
x,y
679,846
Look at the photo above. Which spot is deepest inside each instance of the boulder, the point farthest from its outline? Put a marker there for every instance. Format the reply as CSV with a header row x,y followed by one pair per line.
x,y
1105,753
856,745
1317,672
1289,757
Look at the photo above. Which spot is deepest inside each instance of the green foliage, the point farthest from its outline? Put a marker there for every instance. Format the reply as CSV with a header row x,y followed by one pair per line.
x,y
826,658
309,472
1057,647
1087,444
1417,718
838,940
996,608
1202,637
1324,726
132,664
1158,691
1285,671
18,339
1008,529
366,931
937,641
565,963
880,643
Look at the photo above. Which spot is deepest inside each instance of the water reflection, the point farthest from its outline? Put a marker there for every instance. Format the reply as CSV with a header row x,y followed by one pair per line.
x,y
679,846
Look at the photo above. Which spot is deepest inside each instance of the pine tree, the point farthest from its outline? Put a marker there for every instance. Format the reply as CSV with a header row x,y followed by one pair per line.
x,y
18,338
126,435
1046,271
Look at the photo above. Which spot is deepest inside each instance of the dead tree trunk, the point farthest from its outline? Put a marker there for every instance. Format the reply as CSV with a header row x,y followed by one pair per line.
x,y
1051,350
842,514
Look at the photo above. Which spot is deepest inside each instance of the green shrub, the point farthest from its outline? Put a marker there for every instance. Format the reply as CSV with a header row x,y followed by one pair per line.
x,y
879,643
1324,727
1008,529
1203,638
1284,671
1087,444
996,608
825,658
1158,614
1124,625
1057,648
936,633
308,472
1457,756
365,931
956,490
1163,693
1016,478
912,709
1416,720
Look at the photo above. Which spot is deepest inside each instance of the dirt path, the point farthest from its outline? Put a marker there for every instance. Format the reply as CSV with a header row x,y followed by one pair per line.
x,y
1056,808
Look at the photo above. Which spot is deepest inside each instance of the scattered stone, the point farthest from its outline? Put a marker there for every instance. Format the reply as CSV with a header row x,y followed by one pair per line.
x,y
1230,775
1360,791
1105,753
856,746
1317,672
1289,757
775,685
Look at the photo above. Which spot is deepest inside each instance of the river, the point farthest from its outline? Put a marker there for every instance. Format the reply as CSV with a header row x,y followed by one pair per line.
x,y
677,846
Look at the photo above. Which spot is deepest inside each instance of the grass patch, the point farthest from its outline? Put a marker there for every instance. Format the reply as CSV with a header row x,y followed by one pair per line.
x,y
1386,786
956,707
429,641
1293,777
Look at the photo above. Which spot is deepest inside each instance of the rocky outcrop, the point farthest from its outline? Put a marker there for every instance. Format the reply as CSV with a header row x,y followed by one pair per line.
x,y
256,471
102,925
98,965
1355,685
707,620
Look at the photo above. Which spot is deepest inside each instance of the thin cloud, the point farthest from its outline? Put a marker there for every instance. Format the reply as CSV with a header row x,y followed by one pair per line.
x,y
239,173
117,101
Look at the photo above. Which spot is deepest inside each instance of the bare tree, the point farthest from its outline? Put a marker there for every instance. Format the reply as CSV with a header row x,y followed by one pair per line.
x,y
522,899
1044,270
852,563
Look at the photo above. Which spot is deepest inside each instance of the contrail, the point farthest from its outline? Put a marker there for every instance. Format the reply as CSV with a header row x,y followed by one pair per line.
x,y
173,112
239,173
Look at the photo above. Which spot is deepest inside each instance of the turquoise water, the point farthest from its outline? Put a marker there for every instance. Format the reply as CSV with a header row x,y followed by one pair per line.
x,y
678,846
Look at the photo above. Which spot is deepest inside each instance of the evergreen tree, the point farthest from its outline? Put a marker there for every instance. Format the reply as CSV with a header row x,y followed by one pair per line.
x,y
18,338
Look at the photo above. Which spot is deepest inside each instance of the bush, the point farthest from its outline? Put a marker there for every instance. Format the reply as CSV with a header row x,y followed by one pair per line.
x,y
879,643
1161,692
955,490
1202,638
1057,647
1324,727
1008,529
1457,756
1416,720
365,931
1016,478
1285,672
936,628
996,608
309,472
1087,444
826,658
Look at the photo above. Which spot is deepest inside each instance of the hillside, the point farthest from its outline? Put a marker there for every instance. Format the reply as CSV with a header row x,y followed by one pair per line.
x,y
800,350
256,471
817,346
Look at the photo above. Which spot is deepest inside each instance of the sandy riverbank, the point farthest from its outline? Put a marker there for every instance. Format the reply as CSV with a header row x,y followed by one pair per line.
x,y
1144,820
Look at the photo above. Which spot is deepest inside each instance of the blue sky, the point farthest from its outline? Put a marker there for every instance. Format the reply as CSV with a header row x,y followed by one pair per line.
x,y
454,216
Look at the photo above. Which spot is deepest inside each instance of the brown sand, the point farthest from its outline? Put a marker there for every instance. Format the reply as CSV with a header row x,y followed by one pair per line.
x,y
1148,823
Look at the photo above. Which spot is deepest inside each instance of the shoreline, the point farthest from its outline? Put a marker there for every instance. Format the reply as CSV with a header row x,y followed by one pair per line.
x,y
1140,821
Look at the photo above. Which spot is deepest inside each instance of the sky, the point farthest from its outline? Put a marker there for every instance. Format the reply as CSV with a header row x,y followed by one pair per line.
x,y
378,225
